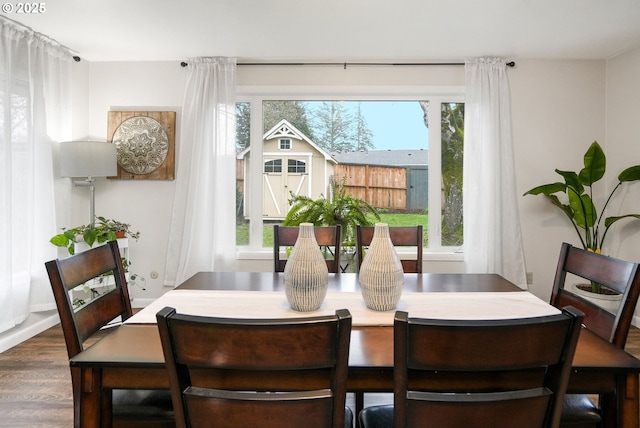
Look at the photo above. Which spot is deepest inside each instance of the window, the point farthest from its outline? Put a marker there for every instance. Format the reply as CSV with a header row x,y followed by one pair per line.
x,y
297,166
403,154
273,166
285,144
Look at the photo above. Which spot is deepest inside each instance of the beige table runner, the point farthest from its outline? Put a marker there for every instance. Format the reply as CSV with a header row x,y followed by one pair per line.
x,y
260,304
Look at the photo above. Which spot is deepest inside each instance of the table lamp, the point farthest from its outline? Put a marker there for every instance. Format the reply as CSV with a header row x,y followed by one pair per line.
x,y
88,159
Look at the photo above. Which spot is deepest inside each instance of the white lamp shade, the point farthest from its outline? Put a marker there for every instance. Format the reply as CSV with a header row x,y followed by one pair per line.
x,y
88,159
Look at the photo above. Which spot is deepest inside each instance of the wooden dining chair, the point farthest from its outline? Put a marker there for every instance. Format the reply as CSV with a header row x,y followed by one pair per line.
x,y
484,374
268,373
328,237
121,408
622,277
401,236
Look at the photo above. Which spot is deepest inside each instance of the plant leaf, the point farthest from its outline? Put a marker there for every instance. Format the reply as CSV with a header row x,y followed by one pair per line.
x,y
60,240
595,164
630,174
547,189
89,236
572,180
584,211
610,220
565,208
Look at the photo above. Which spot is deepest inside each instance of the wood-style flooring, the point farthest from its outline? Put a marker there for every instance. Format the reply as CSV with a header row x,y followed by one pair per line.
x,y
35,384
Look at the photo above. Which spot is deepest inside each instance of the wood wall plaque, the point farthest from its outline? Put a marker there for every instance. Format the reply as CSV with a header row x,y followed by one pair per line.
x,y
146,143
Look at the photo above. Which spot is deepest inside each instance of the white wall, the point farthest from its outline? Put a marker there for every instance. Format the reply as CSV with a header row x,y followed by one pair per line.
x,y
623,148
145,204
558,110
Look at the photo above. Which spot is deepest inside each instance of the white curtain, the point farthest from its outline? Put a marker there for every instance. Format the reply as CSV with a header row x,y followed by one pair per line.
x,y
34,116
492,236
202,235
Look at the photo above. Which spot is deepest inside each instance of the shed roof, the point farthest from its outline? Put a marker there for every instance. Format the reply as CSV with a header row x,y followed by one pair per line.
x,y
284,129
384,157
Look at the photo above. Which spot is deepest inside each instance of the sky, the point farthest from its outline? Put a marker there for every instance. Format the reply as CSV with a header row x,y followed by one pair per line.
x,y
394,124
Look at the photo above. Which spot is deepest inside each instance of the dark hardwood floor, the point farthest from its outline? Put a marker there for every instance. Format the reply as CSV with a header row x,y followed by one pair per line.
x,y
35,384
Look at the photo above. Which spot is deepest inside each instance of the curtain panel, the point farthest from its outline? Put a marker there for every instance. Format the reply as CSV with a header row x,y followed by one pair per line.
x,y
34,116
202,234
492,235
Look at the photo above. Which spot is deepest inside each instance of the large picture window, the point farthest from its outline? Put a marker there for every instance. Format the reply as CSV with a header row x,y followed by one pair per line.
x,y
402,154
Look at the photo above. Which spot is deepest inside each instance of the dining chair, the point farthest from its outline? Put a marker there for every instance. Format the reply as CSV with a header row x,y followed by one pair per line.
x,y
622,277
129,408
401,236
268,373
480,373
328,237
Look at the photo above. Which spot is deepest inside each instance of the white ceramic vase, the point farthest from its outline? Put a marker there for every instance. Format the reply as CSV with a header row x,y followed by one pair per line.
x,y
381,276
306,275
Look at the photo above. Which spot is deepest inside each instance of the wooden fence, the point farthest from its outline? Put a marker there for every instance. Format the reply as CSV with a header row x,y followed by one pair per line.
x,y
381,186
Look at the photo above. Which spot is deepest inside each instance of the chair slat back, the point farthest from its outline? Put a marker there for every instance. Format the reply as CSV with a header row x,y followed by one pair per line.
x,y
263,372
328,237
66,274
614,274
401,236
497,373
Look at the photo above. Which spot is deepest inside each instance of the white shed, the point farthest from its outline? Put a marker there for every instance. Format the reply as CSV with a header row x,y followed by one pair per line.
x,y
291,162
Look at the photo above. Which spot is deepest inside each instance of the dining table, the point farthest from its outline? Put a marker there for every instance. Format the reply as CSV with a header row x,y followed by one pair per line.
x,y
131,355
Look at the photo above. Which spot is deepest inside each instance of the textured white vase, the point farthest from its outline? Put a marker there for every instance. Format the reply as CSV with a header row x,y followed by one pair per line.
x,y
381,276
306,276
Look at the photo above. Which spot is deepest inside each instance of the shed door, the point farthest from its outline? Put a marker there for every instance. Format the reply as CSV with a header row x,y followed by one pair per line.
x,y
282,176
417,188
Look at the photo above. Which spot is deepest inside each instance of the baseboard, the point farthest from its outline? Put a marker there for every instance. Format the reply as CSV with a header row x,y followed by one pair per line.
x,y
18,335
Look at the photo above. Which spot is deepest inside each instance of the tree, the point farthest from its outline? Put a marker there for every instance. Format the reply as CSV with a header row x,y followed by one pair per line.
x,y
243,126
362,136
332,123
294,112
273,112
452,155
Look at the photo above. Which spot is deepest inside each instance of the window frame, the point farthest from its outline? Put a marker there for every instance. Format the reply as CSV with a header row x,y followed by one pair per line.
x,y
281,145
435,95
296,166
274,164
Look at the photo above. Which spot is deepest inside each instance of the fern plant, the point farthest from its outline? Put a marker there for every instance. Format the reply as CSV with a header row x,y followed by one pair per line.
x,y
341,208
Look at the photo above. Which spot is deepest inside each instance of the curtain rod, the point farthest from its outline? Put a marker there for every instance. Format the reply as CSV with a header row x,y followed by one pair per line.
x,y
345,64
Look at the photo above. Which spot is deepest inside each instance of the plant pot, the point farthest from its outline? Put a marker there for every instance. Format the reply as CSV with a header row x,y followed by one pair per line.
x,y
608,302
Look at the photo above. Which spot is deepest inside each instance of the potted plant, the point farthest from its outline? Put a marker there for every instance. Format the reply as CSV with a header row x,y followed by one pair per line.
x,y
341,209
102,231
578,205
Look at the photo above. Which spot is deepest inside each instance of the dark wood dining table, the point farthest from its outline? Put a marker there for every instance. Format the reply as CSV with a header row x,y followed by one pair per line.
x,y
131,356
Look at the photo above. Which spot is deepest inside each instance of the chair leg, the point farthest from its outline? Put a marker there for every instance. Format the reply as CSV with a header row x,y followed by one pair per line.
x,y
359,406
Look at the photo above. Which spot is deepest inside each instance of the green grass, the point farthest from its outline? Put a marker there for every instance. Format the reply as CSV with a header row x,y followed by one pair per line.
x,y
393,219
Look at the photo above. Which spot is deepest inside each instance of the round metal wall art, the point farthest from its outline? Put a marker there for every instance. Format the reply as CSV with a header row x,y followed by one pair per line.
x,y
141,144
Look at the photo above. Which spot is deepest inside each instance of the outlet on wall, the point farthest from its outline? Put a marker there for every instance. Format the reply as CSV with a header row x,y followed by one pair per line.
x,y
529,278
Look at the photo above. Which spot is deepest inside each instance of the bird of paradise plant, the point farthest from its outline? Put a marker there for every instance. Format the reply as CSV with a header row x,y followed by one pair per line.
x,y
578,205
